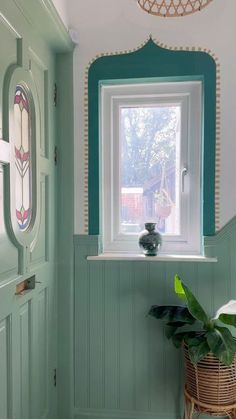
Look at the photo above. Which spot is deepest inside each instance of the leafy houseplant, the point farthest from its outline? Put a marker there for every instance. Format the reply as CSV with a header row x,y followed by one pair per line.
x,y
163,203
189,324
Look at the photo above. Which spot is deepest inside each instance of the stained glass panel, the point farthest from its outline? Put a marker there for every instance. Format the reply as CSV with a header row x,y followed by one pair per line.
x,y
22,158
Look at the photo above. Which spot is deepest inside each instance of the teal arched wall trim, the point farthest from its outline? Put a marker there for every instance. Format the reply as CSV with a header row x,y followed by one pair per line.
x,y
152,61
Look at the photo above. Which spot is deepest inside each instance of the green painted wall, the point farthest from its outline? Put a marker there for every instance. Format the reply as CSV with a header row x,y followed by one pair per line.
x,y
124,367
149,62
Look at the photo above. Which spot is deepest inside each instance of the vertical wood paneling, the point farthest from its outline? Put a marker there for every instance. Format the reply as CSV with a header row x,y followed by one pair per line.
x,y
97,335
172,389
232,256
169,271
126,337
5,352
222,273
142,284
187,272
156,350
112,332
124,365
81,329
204,291
25,357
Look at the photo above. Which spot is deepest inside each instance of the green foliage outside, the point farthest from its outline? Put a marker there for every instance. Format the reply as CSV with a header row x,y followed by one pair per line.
x,y
148,143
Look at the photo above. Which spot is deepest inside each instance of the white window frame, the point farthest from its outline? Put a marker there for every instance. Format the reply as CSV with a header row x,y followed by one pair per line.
x,y
115,96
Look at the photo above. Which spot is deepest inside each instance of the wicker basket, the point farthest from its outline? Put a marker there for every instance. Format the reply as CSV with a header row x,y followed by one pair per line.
x,y
172,8
210,381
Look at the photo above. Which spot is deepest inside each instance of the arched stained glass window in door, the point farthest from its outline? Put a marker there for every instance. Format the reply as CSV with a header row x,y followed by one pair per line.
x,y
22,120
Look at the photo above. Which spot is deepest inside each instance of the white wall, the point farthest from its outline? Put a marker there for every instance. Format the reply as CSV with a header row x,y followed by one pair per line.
x,y
117,25
62,8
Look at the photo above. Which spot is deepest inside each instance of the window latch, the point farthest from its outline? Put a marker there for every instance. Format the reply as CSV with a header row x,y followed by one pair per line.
x,y
183,174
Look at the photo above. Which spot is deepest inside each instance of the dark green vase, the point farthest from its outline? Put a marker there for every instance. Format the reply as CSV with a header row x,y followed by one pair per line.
x,y
150,240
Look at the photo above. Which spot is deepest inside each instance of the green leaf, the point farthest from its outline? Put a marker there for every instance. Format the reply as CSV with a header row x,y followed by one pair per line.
x,y
179,288
194,307
178,324
193,339
198,351
229,319
171,328
229,308
222,344
198,347
178,338
172,314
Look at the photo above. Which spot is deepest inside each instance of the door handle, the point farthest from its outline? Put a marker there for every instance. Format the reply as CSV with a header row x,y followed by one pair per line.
x,y
183,174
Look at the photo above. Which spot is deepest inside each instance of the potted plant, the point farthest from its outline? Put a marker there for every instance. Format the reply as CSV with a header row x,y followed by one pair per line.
x,y
209,349
163,203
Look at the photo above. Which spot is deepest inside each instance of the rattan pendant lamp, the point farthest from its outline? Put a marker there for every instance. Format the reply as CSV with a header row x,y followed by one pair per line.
x,y
172,8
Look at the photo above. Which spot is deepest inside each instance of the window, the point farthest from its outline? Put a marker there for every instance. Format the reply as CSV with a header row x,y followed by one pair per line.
x,y
22,158
151,164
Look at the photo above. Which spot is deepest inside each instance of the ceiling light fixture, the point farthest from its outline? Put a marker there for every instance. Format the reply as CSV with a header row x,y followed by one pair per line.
x,y
172,8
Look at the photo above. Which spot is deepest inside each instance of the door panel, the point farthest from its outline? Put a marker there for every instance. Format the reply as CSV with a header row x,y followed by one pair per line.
x,y
5,352
8,252
41,74
38,251
27,319
25,367
8,50
8,53
43,358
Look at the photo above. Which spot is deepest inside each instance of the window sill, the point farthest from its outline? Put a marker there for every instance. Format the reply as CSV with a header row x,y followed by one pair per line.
x,y
158,258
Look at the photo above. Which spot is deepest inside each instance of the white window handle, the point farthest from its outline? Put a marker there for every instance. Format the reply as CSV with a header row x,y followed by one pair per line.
x,y
183,174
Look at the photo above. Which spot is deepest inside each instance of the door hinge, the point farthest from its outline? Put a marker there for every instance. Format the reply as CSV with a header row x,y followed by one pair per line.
x,y
55,95
55,155
55,377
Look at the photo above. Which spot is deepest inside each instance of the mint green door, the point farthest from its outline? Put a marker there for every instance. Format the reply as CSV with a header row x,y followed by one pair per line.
x,y
27,221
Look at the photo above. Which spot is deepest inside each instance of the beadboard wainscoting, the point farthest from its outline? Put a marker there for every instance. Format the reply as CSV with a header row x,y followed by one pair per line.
x,y
124,367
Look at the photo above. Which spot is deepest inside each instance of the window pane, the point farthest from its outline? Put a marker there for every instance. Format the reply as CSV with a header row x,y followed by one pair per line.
x,y
22,158
150,164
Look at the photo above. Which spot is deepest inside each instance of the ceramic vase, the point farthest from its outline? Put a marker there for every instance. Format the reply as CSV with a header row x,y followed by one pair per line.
x,y
150,240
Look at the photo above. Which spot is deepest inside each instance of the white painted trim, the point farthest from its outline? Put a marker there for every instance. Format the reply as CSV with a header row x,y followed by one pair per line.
x,y
158,258
189,95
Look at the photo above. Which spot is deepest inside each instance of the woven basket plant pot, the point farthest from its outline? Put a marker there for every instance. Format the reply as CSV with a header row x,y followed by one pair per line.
x,y
209,381
210,385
